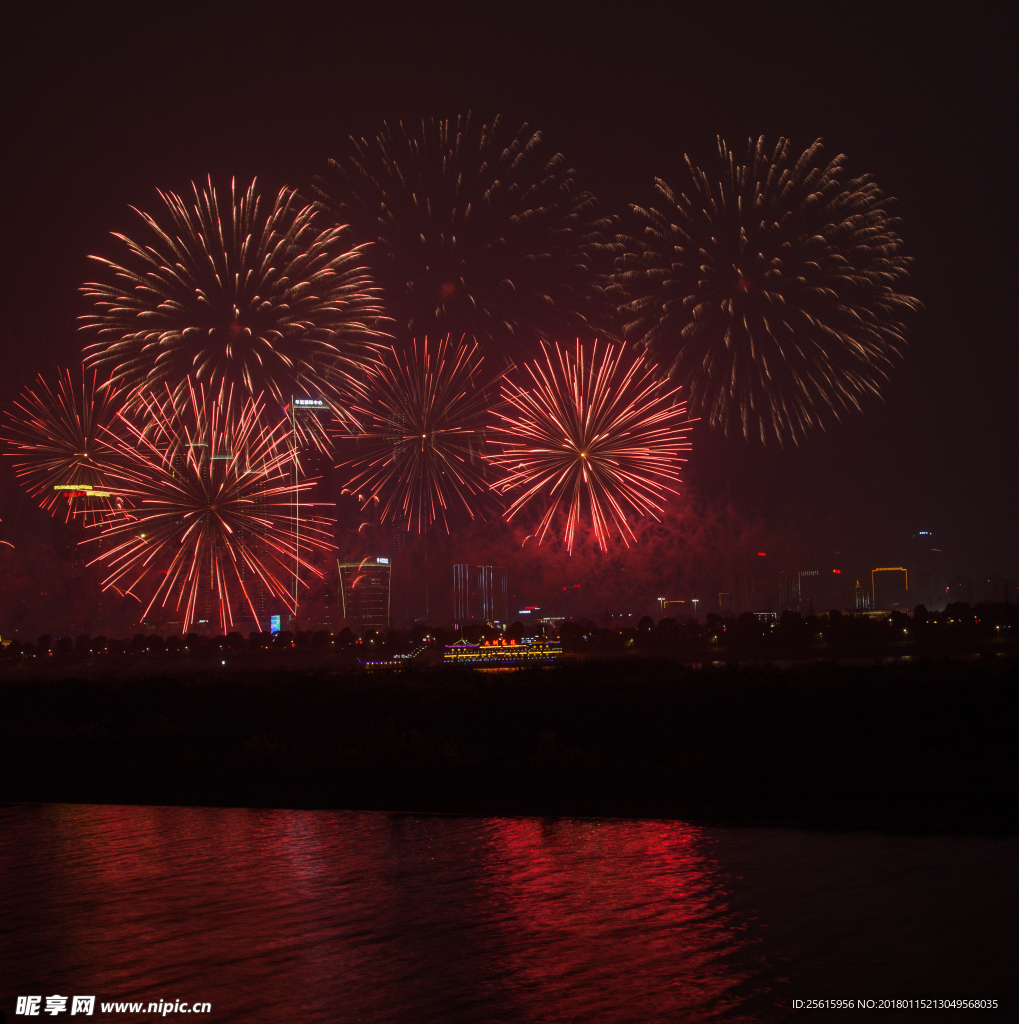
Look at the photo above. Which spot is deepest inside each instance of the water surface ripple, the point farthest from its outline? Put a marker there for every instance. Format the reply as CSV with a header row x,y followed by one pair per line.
x,y
361,916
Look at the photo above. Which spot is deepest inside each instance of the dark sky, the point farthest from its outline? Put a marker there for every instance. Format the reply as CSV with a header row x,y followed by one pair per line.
x,y
99,109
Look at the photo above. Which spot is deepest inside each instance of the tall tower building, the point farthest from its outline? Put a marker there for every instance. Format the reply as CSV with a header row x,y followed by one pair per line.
x,y
365,592
480,594
468,599
789,591
496,588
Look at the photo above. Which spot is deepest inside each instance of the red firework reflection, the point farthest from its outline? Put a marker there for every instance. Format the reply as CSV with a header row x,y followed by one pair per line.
x,y
592,436
213,509
63,439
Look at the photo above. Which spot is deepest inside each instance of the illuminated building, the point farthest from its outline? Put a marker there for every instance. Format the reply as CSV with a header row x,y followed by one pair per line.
x,y
365,592
497,591
503,652
889,587
468,596
789,591
862,598
480,594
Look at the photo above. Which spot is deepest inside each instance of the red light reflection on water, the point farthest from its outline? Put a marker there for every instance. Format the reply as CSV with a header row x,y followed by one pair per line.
x,y
322,916
634,907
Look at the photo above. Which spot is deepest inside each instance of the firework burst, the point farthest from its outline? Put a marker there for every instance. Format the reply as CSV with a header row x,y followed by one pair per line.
x,y
268,302
769,289
212,517
419,440
61,447
592,437
474,231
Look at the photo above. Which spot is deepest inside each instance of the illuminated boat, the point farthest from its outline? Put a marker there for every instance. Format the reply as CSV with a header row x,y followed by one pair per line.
x,y
503,652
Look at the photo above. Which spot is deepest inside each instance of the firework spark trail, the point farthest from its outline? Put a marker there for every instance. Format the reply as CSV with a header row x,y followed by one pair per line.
x,y
593,436
419,437
770,290
272,303
475,230
212,508
59,438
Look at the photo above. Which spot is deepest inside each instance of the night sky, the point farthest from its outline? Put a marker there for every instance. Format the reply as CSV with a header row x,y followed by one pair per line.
x,y
99,109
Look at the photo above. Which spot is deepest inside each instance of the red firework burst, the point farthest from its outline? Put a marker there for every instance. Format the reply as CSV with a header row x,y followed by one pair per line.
x,y
61,440
212,515
475,229
419,435
771,288
590,436
229,291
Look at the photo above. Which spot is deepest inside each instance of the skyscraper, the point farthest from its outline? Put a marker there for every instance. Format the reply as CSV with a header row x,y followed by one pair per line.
x,y
812,591
889,588
480,594
365,592
468,599
789,591
496,584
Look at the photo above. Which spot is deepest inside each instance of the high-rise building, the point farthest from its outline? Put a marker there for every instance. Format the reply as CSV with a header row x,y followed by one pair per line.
x,y
468,599
813,591
744,592
752,588
497,594
926,575
365,592
789,591
480,594
889,588
808,591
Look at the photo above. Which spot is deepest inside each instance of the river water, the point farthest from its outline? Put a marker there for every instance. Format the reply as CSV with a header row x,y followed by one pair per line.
x,y
371,917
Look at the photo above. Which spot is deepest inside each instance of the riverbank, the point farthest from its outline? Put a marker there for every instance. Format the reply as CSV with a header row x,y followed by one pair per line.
x,y
919,745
